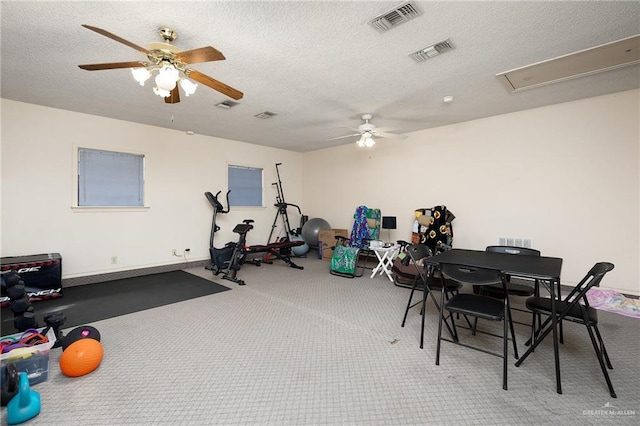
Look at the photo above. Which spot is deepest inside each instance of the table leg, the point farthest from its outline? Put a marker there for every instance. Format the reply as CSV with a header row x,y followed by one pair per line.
x,y
554,325
380,262
385,262
388,263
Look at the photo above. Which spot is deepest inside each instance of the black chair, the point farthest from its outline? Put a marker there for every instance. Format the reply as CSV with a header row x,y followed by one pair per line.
x,y
519,288
425,281
478,306
575,308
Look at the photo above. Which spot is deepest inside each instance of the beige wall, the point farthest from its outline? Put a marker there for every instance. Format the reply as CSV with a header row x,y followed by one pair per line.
x,y
565,175
38,178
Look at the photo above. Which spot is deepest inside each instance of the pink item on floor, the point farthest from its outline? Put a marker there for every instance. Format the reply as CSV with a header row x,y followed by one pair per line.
x,y
612,301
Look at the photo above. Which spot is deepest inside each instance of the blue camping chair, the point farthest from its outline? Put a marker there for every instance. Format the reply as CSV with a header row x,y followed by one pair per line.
x,y
366,228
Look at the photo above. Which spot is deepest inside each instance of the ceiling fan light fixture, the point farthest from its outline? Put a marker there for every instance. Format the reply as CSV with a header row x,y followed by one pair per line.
x,y
141,75
366,140
167,77
188,86
170,62
161,92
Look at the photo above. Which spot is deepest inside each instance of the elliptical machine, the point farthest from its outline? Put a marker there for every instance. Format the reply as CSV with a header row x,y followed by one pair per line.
x,y
290,234
220,257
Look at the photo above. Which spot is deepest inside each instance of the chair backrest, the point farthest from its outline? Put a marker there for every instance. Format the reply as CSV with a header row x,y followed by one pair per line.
x,y
513,250
417,252
471,274
592,279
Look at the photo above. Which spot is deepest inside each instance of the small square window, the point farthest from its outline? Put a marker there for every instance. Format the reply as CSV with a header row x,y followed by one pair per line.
x,y
110,179
245,184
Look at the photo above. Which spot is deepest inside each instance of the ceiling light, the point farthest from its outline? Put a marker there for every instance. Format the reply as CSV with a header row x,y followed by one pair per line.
x,y
141,75
366,140
166,80
188,86
447,99
167,77
161,92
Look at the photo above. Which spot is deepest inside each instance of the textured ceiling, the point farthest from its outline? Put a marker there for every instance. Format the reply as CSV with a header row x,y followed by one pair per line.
x,y
318,65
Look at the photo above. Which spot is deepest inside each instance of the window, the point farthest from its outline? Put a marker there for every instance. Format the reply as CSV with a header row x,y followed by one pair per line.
x,y
110,179
245,184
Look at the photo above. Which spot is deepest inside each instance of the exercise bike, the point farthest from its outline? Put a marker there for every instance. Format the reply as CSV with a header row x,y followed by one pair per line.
x,y
220,257
233,255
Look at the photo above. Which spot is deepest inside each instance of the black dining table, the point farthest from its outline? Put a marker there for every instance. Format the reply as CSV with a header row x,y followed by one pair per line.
x,y
541,268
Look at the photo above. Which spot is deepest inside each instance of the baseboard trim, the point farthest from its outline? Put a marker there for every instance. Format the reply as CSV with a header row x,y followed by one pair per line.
x,y
111,276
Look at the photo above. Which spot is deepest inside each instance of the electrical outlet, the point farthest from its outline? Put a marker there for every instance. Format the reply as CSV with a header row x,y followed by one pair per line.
x,y
114,260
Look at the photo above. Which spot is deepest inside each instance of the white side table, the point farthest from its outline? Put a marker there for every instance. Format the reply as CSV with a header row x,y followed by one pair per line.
x,y
385,256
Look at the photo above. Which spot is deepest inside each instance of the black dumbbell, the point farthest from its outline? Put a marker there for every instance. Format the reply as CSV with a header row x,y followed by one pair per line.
x,y
21,305
25,321
16,292
11,279
55,320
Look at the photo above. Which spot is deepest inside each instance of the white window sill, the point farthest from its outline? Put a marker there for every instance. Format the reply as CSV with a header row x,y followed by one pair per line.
x,y
101,209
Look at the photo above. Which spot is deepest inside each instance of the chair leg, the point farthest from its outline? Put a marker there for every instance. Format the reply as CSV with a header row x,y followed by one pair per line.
x,y
452,331
602,348
560,329
406,311
424,303
513,338
513,333
440,315
601,362
505,347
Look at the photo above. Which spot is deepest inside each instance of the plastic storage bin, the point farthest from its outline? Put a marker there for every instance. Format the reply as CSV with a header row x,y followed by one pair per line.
x,y
33,360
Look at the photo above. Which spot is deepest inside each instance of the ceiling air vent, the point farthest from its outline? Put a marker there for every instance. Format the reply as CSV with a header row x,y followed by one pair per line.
x,y
226,104
394,17
265,115
431,51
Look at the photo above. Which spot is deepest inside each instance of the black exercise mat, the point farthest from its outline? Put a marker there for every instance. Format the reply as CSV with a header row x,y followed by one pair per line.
x,y
94,302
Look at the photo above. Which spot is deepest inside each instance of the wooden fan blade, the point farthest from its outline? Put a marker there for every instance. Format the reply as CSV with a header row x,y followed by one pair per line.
x,y
389,135
174,97
341,137
214,84
113,65
116,38
202,54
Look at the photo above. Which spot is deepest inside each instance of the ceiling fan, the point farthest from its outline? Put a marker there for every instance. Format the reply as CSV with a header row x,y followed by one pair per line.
x,y
367,131
170,63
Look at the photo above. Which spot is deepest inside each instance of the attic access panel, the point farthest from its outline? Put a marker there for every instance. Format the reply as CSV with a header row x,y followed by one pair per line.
x,y
597,59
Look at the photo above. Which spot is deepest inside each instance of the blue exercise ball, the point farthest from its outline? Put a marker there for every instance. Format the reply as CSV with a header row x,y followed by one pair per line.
x,y
311,229
300,250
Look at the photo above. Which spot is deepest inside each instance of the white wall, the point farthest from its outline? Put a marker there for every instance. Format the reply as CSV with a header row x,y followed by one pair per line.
x,y
37,191
566,176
